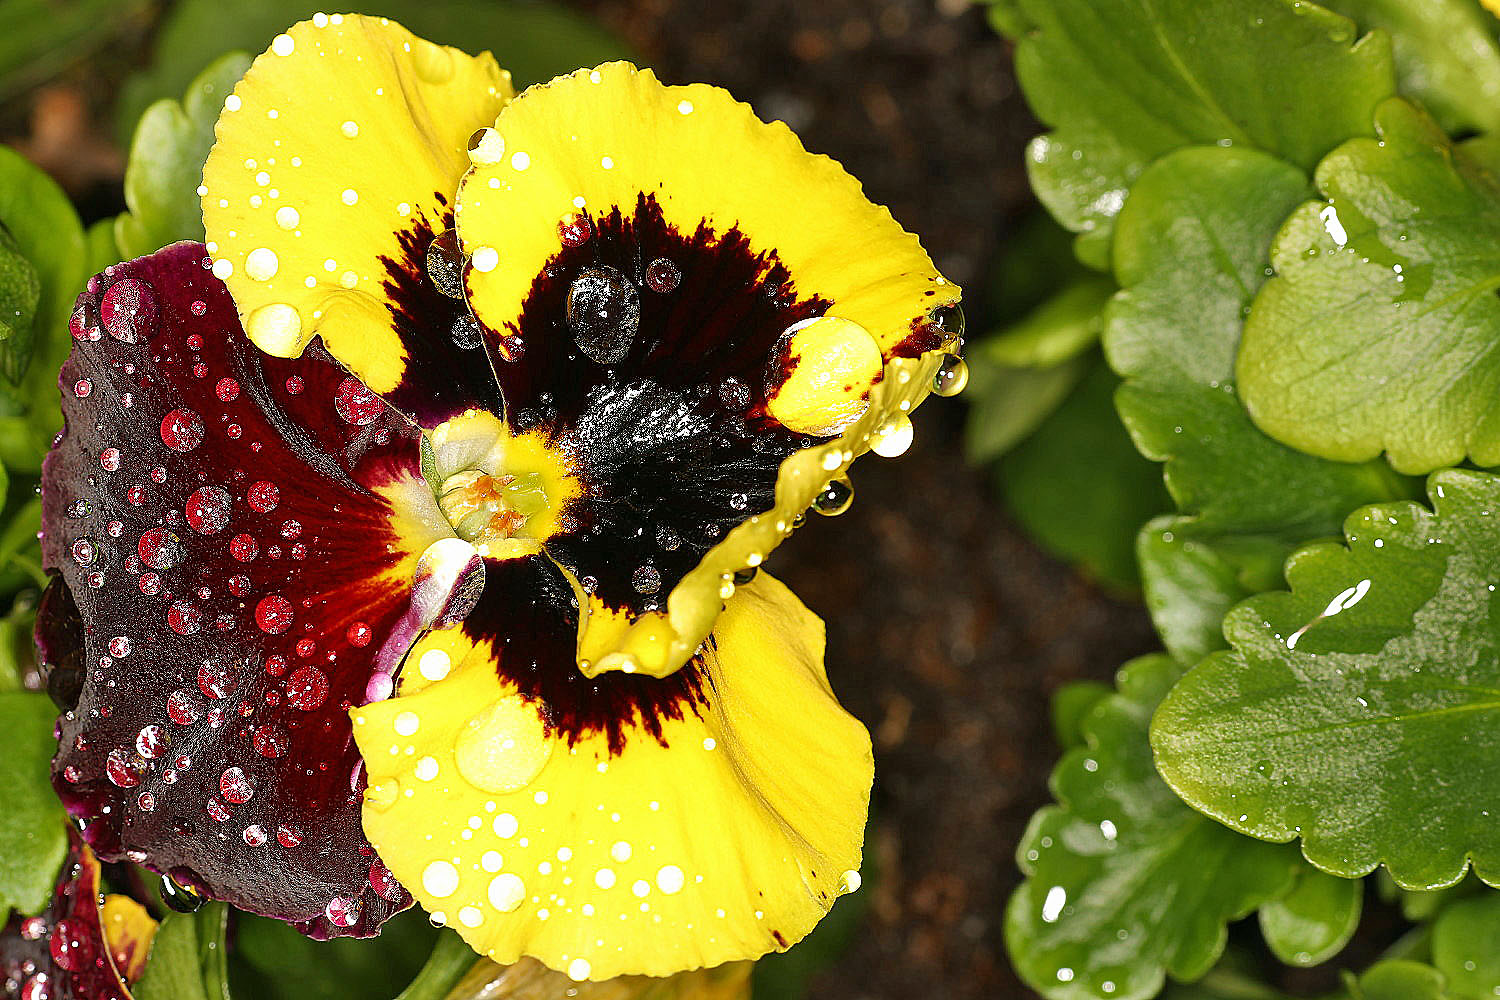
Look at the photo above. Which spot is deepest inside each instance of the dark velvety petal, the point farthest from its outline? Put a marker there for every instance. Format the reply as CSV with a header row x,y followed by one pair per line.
x,y
672,437
224,522
62,954
527,616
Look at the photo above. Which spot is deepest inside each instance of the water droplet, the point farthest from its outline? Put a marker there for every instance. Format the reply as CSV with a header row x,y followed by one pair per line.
x,y
255,835
356,403
445,264
486,147
273,614
243,547
261,264
604,312
663,276
227,389
184,618
82,388
235,786
503,747
342,911
182,898
217,680
84,551
207,510
646,579
893,437
184,707
151,742
306,688
182,429
160,548
465,332
128,310
506,892
263,496
123,770
950,320
109,460
835,498
951,377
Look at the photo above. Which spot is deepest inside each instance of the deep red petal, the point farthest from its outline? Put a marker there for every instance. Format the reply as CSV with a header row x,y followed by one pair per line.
x,y
210,510
62,954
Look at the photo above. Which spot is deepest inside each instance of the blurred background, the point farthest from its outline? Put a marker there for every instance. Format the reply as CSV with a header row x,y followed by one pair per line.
x,y
948,624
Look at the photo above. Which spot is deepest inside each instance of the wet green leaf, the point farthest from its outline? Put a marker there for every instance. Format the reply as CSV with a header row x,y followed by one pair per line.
x,y
534,41
1125,883
1358,711
1079,487
166,162
1191,578
1058,330
1464,946
1191,250
1313,922
44,230
272,961
187,959
1447,56
1399,980
1071,705
1380,331
20,288
1123,82
33,832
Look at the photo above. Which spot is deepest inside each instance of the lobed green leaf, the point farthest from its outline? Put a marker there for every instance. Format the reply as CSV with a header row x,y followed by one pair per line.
x,y
1359,711
1313,922
1125,883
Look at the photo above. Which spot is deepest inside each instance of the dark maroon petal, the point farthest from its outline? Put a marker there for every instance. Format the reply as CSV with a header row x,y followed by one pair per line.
x,y
527,617
62,954
210,510
666,426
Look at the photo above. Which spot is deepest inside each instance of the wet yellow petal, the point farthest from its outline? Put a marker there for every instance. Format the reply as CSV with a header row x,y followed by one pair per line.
x,y
604,139
128,931
347,134
730,837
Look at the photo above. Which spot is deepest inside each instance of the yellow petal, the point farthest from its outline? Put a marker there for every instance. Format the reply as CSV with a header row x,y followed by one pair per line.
x,y
609,148
530,980
128,931
727,838
336,161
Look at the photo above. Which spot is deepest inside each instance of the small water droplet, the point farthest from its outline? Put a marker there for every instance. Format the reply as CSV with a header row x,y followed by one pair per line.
x,y
835,498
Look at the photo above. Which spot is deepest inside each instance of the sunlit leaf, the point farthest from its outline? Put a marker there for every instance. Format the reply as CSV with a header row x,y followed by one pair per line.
x,y
1313,922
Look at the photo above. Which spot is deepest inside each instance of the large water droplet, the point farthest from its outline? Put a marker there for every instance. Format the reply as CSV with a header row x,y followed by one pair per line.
x,y
208,509
893,437
951,377
160,548
445,264
356,403
604,312
128,310
834,498
182,898
503,747
182,429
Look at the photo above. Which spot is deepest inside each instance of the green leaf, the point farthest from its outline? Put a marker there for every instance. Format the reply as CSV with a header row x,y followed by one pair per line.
x,y
1191,250
272,961
187,960
1071,705
1059,329
33,831
1464,946
1125,883
1313,922
534,41
1358,710
1079,487
1123,82
1446,56
1400,980
166,162
1380,331
1191,578
1008,404
46,232
17,646
20,288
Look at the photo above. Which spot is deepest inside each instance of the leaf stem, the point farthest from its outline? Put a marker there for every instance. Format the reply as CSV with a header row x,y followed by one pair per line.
x,y
451,957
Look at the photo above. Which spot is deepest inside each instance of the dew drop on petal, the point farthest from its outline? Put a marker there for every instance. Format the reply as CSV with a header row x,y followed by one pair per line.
x,y
128,310
356,403
263,496
662,276
207,510
604,314
182,429
160,548
503,747
235,787
306,688
835,498
342,911
184,618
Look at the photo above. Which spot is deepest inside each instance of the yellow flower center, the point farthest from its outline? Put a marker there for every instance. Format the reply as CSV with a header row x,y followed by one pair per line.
x,y
502,492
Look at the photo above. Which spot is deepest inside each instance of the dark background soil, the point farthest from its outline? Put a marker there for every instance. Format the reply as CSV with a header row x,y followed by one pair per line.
x,y
947,629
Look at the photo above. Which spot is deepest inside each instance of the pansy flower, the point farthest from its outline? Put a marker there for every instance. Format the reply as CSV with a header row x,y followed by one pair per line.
x,y
413,524
83,946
